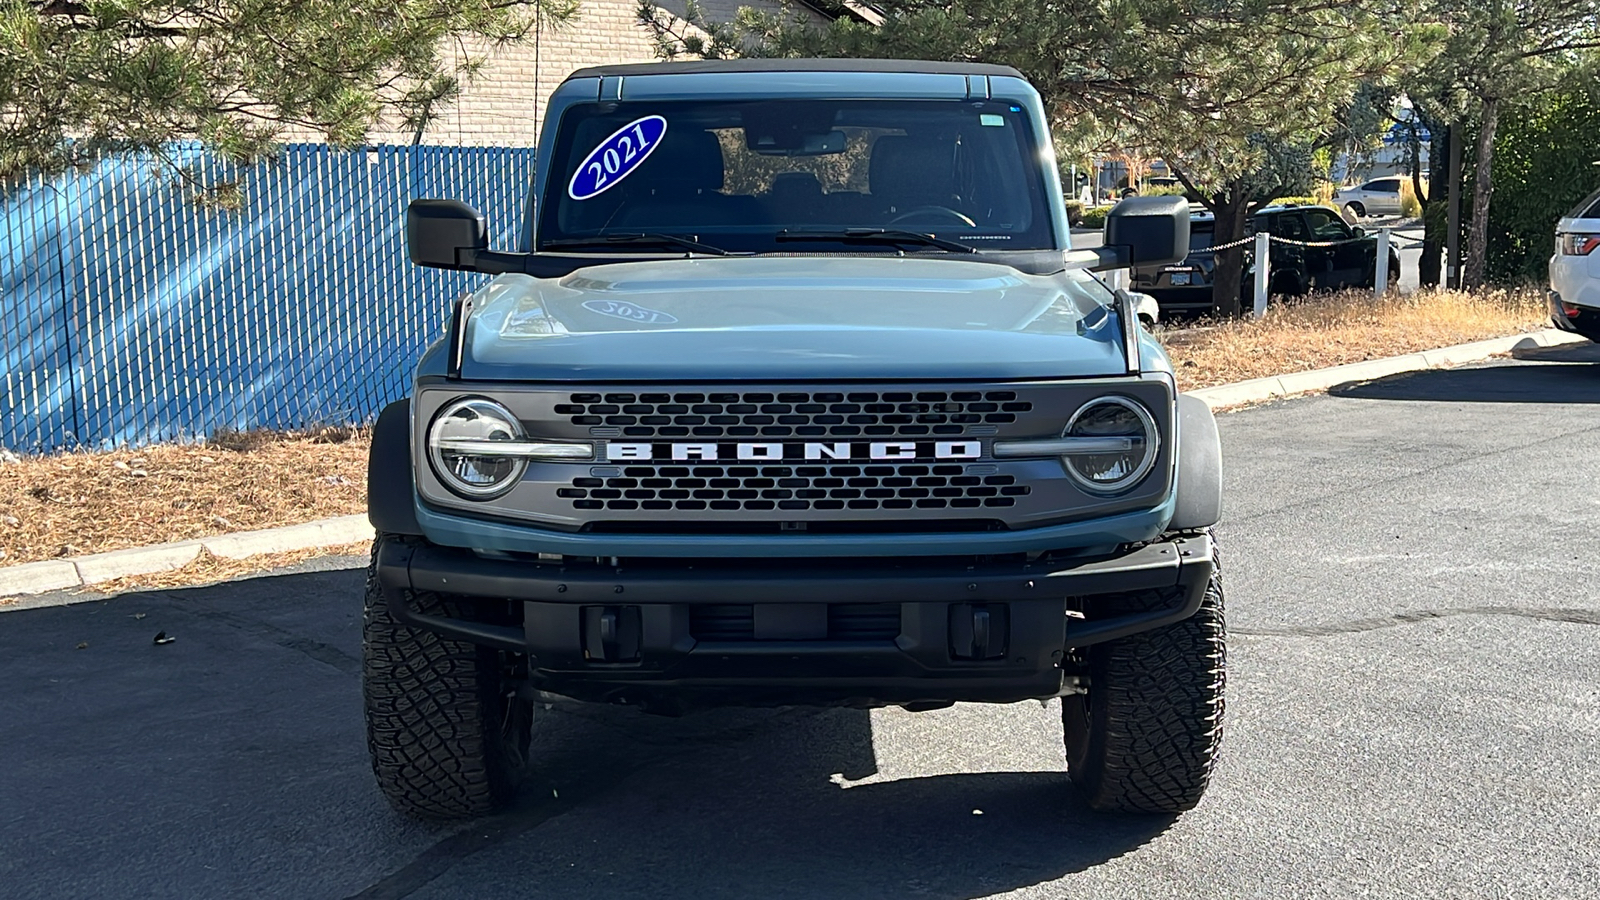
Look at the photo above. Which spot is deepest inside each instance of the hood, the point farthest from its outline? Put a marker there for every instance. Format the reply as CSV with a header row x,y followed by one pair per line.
x,y
777,318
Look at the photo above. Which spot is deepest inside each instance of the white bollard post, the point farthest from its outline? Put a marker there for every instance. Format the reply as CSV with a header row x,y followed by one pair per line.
x,y
1380,276
1263,264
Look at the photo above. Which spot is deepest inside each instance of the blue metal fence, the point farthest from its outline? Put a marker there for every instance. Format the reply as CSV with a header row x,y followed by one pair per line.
x,y
135,312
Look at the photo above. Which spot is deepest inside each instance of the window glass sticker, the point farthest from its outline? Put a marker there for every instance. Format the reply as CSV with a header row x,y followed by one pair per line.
x,y
991,120
616,157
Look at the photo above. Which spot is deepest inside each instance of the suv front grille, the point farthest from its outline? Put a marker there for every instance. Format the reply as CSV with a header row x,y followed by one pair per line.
x,y
897,486
846,622
799,414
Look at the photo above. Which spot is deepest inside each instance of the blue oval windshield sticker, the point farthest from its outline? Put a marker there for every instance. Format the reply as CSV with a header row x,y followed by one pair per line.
x,y
619,310
616,157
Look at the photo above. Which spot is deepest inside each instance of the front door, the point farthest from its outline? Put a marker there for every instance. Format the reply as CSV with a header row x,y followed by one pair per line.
x,y
1345,262
1383,196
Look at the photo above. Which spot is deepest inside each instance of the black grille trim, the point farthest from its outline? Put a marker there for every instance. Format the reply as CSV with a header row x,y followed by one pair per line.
x,y
820,414
716,488
846,622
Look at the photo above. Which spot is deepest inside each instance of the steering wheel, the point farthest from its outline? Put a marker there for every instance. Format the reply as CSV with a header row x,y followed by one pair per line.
x,y
926,213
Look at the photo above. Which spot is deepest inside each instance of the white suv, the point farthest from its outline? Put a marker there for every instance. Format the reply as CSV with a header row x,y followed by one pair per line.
x,y
1378,197
1575,270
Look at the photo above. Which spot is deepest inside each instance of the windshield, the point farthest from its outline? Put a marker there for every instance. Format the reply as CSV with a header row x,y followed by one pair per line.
x,y
758,176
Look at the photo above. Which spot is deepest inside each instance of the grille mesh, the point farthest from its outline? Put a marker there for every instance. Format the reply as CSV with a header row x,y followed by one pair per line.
x,y
799,414
899,486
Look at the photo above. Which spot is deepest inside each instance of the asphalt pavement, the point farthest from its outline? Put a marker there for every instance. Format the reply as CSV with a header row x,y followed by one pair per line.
x,y
1413,711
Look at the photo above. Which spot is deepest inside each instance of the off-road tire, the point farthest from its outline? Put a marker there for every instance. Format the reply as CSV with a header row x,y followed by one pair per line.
x,y
1145,737
447,740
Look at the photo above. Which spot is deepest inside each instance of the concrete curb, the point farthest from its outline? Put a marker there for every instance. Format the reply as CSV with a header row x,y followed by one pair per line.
x,y
82,571
85,571
1277,387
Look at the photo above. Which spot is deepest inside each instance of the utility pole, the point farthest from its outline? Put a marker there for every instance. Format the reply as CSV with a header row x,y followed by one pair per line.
x,y
1452,255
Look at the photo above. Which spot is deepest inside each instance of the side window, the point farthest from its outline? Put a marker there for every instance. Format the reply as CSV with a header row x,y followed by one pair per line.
x,y
1389,186
1289,226
1325,226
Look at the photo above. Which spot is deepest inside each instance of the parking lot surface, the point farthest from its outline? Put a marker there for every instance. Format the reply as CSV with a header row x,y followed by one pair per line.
x,y
1413,711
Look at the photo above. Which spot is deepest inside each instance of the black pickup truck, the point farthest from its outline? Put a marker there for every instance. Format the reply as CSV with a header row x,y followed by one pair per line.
x,y
1185,287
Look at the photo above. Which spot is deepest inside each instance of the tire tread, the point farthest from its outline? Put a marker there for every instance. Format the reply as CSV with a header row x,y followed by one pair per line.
x,y
432,712
1162,695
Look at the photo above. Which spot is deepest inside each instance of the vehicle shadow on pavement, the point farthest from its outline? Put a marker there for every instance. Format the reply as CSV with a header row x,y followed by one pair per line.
x,y
1568,374
769,813
233,761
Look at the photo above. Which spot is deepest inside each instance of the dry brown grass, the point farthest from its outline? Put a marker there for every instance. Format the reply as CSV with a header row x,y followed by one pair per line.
x,y
69,504
1346,328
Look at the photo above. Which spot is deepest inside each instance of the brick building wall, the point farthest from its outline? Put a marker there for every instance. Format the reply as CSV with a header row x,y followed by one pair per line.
x,y
504,105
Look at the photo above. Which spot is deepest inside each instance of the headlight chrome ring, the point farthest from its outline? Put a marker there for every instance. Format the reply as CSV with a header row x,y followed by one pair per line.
x,y
458,448
1131,441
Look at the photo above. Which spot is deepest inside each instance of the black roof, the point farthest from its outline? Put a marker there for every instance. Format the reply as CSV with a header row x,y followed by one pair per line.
x,y
797,65
1205,215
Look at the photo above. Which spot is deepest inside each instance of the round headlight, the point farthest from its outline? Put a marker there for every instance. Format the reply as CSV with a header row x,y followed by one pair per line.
x,y
1122,463
457,447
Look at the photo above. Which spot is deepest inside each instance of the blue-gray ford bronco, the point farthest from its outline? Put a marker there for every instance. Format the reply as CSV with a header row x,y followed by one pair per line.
x,y
794,392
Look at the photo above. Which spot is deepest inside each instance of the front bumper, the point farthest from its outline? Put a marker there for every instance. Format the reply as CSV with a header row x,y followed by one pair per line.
x,y
941,630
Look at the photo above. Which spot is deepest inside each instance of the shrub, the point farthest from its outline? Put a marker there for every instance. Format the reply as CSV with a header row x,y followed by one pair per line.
x,y
1096,217
1303,201
1410,206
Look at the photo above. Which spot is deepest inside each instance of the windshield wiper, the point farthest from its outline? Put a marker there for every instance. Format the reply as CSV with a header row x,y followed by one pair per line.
x,y
876,235
673,240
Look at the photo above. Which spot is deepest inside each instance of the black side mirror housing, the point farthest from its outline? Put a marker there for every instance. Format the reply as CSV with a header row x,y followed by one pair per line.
x,y
444,234
1146,231
1358,231
448,234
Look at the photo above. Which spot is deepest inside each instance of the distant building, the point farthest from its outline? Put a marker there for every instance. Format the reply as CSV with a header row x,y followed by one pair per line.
x,y
504,105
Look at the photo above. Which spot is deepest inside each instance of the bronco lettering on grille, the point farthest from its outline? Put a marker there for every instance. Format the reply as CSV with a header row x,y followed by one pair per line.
x,y
881,450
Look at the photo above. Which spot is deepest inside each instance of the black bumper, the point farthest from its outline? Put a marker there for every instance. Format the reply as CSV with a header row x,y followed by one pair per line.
x,y
864,632
1582,321
1185,299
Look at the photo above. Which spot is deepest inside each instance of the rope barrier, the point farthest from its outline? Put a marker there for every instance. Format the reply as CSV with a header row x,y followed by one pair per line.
x,y
1395,241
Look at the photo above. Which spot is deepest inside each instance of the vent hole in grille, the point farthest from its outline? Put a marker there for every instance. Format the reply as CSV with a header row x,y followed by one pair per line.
x,y
819,414
794,488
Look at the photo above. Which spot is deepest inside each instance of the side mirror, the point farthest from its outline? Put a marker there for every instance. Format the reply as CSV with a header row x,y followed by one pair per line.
x,y
445,234
1146,231
1358,231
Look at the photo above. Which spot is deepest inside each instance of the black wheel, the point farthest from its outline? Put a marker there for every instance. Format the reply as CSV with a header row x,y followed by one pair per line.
x,y
1145,736
448,739
1290,284
1355,211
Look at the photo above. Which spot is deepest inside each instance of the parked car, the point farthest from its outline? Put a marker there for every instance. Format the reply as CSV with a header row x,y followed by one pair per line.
x,y
1185,287
1575,270
727,429
1378,197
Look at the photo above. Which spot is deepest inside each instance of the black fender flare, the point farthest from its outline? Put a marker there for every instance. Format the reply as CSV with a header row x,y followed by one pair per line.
x,y
391,484
1199,468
